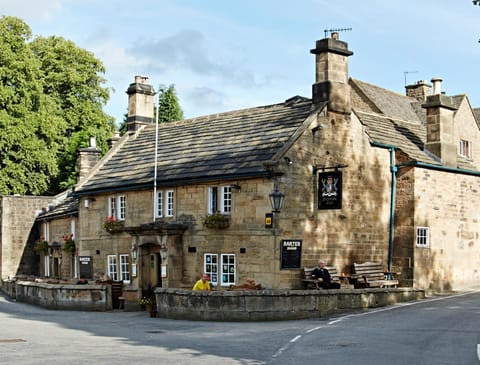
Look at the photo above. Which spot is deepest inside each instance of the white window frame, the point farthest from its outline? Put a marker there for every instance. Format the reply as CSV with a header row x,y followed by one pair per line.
x,y
159,203
422,237
210,267
112,267
227,275
122,206
465,148
220,199
169,203
165,204
124,268
117,206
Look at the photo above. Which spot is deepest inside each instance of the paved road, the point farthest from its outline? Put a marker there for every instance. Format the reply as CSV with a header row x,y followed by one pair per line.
x,y
442,330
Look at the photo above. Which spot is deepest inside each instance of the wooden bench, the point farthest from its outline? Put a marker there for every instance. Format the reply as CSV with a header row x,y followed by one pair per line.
x,y
312,283
372,275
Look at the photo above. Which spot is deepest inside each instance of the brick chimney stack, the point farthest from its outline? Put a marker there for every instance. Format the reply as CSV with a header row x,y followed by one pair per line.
x,y
440,132
140,103
87,158
331,74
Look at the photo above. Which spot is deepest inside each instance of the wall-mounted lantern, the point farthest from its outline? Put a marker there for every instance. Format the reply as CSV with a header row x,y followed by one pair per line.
x,y
276,200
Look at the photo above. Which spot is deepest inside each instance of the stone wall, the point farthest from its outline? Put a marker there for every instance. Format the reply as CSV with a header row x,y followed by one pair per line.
x,y
448,204
18,234
65,296
267,305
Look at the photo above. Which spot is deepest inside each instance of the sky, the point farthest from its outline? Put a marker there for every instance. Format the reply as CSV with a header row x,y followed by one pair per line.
x,y
224,55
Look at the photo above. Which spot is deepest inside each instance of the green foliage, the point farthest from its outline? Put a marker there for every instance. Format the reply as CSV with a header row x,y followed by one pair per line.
x,y
51,100
168,106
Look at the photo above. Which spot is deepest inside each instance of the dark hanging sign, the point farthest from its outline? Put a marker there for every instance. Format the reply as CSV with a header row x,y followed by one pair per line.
x,y
330,190
291,253
85,265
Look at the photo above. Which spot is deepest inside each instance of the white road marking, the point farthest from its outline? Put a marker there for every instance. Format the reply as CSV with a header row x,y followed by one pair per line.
x,y
396,306
296,338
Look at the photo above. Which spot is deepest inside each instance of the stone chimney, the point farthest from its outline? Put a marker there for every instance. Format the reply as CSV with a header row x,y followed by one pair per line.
x,y
419,91
440,133
331,74
111,141
140,103
87,158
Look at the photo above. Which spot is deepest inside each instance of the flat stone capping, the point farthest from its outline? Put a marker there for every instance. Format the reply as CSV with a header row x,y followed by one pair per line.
x,y
274,305
65,296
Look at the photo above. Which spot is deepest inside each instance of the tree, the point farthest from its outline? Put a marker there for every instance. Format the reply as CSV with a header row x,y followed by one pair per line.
x,y
168,106
72,76
51,100
31,130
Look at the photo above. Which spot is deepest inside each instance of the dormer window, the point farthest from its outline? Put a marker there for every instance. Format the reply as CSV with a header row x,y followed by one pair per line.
x,y
465,149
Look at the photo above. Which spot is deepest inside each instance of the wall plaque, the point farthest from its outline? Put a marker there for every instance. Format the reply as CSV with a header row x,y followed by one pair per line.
x,y
291,254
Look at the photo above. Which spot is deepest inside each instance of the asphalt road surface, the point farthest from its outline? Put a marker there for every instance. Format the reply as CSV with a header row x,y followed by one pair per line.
x,y
438,330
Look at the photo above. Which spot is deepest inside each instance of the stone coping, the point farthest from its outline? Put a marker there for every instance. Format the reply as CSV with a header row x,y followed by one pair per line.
x,y
274,304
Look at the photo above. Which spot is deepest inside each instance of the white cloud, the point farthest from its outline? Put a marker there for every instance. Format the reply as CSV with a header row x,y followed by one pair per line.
x,y
30,10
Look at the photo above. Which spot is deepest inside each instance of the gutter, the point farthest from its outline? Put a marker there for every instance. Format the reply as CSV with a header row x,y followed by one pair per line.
x,y
430,166
393,169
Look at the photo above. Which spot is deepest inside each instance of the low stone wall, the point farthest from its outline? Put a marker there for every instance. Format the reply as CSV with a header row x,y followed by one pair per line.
x,y
266,305
65,296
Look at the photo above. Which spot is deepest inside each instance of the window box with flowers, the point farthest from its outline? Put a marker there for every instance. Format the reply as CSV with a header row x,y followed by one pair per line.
x,y
216,221
112,225
68,243
41,247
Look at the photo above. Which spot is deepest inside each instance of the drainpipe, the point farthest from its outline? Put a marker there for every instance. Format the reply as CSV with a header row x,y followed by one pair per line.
x,y
393,170
155,162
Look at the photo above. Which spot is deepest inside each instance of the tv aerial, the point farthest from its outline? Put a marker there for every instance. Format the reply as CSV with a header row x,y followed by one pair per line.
x,y
336,30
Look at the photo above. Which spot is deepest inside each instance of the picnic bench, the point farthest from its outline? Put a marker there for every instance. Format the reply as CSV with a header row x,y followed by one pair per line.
x,y
371,275
311,283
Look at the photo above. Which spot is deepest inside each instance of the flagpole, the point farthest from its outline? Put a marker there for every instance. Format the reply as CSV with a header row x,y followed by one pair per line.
x,y
155,197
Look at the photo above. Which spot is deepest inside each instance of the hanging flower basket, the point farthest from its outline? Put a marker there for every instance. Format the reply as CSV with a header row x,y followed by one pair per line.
x,y
112,225
41,247
216,221
68,243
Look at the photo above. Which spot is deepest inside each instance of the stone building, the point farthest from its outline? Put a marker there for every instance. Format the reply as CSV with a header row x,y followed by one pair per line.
x,y
364,174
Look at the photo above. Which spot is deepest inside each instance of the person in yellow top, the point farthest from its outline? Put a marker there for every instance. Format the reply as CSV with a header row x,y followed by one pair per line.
x,y
203,283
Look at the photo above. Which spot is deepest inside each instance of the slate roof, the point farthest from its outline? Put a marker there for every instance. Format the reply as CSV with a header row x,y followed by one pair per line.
x,y
221,146
68,207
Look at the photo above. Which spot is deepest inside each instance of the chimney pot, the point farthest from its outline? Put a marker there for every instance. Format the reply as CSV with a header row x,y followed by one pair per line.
x,y
93,142
335,35
437,89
